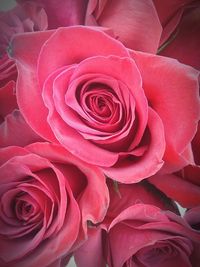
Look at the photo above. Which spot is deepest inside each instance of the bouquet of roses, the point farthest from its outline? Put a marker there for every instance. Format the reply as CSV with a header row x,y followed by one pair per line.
x,y
99,135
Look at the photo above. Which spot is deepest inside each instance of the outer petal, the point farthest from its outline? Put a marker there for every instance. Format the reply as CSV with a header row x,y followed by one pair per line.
x,y
143,225
14,131
92,43
169,13
125,18
187,54
90,254
28,92
177,188
123,196
63,13
175,99
8,100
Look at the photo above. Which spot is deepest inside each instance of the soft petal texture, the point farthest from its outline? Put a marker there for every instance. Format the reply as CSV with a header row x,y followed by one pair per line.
x,y
8,100
188,193
187,32
121,197
145,236
62,13
161,98
13,128
28,17
170,13
110,106
90,254
14,131
125,18
141,231
47,196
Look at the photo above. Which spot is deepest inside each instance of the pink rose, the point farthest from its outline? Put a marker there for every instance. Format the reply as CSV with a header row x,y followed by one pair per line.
x,y
143,236
147,236
142,228
46,198
110,106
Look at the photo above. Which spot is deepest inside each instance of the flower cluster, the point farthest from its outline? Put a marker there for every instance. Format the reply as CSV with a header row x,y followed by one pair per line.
x,y
99,133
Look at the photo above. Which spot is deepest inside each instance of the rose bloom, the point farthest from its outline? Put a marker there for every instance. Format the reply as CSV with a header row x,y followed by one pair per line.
x,y
142,228
109,106
144,235
46,198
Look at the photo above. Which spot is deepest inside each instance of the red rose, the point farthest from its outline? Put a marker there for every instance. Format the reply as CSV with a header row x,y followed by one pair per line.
x,y
46,198
110,106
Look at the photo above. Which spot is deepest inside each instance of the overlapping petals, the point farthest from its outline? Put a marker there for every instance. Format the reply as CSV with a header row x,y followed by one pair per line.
x,y
42,197
102,103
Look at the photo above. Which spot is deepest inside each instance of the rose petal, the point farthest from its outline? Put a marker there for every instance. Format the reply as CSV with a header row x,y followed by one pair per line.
x,y
124,18
178,95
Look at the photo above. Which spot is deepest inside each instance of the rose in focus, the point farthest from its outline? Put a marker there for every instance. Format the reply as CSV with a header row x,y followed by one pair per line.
x,y
46,198
110,106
